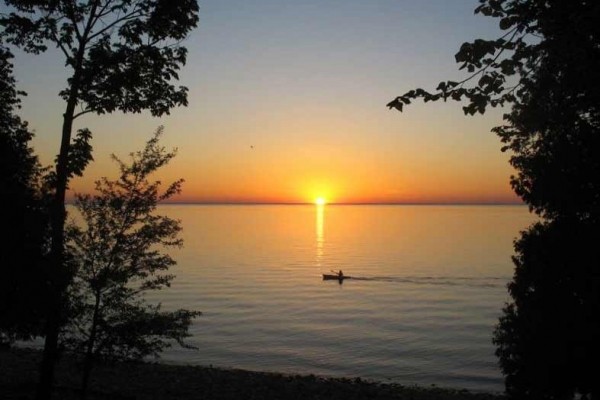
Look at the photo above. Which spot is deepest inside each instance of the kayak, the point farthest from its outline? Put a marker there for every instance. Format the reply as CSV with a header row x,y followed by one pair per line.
x,y
328,277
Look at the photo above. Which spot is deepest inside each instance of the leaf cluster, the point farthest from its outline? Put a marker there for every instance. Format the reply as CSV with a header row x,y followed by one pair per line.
x,y
491,63
19,164
79,156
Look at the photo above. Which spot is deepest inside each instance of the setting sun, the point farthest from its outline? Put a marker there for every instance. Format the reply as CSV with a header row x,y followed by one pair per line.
x,y
320,201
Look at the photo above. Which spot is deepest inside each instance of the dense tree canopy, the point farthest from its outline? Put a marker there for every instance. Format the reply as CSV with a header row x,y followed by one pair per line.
x,y
24,219
544,69
548,336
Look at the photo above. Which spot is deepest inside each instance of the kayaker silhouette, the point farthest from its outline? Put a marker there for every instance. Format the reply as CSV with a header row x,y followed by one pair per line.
x,y
340,274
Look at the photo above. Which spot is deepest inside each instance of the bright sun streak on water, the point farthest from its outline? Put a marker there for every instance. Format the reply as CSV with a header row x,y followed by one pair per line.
x,y
320,201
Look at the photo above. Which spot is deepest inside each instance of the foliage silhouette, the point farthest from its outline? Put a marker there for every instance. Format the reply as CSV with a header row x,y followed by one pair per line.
x,y
116,253
122,55
547,337
24,219
544,68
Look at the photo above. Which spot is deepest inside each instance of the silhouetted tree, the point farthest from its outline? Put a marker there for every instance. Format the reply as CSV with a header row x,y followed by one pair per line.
x,y
548,336
24,219
544,68
116,252
122,55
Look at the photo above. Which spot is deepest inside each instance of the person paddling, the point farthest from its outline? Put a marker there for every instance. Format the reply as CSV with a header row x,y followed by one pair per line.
x,y
340,274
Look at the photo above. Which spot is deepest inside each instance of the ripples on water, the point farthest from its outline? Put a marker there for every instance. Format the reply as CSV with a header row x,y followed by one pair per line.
x,y
427,289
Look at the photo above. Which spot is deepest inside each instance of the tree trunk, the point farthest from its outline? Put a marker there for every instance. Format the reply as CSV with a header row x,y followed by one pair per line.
x,y
58,275
88,362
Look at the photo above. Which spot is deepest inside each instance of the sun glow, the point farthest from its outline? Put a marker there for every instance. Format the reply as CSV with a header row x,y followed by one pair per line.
x,y
320,201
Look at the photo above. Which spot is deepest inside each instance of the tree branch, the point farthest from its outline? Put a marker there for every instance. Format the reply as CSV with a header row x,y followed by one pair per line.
x,y
133,15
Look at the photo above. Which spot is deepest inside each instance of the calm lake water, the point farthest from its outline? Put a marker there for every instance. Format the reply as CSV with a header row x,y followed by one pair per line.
x,y
431,282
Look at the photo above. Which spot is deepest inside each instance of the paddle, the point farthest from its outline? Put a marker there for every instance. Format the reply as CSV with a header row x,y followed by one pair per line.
x,y
338,273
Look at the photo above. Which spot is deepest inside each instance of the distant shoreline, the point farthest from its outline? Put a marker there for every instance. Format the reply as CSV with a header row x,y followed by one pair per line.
x,y
139,380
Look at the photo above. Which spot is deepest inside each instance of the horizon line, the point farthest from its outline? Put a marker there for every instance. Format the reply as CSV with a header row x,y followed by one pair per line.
x,y
252,203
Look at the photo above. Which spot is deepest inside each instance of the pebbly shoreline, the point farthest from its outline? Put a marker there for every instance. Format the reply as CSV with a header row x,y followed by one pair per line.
x,y
145,380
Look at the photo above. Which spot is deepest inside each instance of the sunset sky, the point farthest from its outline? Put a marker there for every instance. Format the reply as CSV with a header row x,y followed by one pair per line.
x,y
305,83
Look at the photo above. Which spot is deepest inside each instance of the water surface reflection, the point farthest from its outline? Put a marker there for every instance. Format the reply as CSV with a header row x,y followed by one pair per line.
x,y
320,238
433,284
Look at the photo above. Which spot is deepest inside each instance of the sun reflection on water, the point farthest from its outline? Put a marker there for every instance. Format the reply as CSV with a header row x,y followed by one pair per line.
x,y
320,222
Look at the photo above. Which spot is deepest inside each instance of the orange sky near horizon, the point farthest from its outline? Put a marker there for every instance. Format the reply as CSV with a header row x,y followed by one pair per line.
x,y
394,165
287,104
431,153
